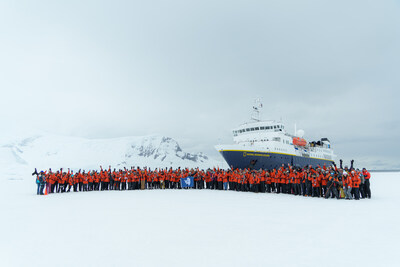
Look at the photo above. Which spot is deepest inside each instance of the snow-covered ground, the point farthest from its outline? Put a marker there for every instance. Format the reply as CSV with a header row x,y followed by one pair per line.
x,y
197,228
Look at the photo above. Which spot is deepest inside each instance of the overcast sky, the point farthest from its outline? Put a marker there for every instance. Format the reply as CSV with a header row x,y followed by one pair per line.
x,y
192,69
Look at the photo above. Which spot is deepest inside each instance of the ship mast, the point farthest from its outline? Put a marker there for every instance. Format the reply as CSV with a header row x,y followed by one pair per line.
x,y
256,110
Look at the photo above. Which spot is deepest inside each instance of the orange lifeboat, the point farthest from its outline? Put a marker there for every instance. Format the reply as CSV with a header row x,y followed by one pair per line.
x,y
297,141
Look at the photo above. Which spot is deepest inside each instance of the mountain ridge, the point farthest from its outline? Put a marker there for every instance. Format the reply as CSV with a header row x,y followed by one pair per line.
x,y
45,151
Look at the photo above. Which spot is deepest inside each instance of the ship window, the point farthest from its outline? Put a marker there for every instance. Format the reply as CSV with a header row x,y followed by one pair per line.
x,y
274,126
262,127
247,129
257,128
252,129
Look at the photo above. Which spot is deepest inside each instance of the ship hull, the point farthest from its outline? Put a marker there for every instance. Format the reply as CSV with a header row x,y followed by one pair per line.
x,y
241,159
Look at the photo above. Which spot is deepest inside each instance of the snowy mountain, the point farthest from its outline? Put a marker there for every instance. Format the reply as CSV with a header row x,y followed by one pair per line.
x,y
53,151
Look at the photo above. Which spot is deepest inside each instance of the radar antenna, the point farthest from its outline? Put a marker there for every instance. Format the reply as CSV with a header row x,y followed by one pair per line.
x,y
256,110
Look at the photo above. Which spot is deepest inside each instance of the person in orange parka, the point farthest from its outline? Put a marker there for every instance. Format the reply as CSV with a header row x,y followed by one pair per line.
x,y
291,180
79,177
284,181
347,185
278,176
70,182
262,181
315,185
225,178
52,180
122,180
219,180
356,184
61,182
90,180
268,180
367,185
273,180
324,181
296,183
85,181
96,181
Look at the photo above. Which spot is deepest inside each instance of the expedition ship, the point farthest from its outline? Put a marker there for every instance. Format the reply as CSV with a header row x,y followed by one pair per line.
x,y
266,145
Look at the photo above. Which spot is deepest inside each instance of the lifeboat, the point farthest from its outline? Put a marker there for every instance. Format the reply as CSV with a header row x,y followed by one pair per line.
x,y
297,141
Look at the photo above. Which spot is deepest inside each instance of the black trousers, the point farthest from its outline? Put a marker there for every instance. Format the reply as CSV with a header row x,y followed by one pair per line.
x,y
356,193
315,191
303,188
367,188
332,192
323,188
309,188
278,188
273,187
268,188
362,192
220,187
262,187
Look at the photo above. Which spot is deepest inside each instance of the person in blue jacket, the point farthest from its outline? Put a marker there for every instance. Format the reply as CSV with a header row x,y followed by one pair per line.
x,y
40,181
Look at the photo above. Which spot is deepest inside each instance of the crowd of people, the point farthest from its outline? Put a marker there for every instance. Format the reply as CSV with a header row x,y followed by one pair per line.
x,y
325,181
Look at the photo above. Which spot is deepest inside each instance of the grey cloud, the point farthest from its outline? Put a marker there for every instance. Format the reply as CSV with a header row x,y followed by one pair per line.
x,y
191,69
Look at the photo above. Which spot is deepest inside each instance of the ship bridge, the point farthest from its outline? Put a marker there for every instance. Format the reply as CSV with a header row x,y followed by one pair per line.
x,y
258,131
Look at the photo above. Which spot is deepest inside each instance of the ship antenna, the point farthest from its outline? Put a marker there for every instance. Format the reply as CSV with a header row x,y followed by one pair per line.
x,y
256,110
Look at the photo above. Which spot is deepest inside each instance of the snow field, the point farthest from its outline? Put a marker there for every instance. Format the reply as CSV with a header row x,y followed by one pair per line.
x,y
197,228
